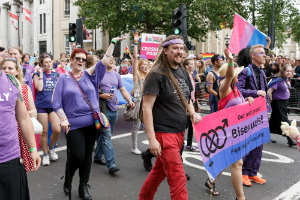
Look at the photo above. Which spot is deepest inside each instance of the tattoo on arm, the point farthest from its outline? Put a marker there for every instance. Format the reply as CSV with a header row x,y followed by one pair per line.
x,y
61,114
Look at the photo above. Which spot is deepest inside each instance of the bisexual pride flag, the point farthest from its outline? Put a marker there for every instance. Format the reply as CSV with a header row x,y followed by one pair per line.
x,y
226,136
244,35
207,56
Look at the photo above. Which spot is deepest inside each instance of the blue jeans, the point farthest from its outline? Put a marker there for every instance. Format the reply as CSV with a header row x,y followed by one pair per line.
x,y
104,146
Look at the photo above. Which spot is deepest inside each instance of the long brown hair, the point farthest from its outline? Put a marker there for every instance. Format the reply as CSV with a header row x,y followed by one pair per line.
x,y
142,74
19,76
284,69
162,66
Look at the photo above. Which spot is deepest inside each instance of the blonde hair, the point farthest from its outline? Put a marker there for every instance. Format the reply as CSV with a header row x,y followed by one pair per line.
x,y
252,50
142,74
20,75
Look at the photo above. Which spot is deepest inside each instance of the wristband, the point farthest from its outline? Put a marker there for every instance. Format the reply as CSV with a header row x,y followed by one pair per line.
x,y
40,78
114,41
136,42
230,64
64,119
32,149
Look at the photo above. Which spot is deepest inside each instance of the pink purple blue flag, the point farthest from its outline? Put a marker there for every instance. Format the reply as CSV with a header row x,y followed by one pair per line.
x,y
244,35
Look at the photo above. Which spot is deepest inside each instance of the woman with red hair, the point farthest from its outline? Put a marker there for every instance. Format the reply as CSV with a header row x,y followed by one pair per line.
x,y
76,115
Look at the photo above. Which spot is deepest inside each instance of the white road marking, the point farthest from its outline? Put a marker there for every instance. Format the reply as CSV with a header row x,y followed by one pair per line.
x,y
113,137
293,193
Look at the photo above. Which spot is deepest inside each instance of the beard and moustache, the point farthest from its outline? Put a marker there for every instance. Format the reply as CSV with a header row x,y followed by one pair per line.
x,y
175,62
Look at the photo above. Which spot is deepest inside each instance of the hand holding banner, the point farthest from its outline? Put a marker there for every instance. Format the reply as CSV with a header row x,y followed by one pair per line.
x,y
226,136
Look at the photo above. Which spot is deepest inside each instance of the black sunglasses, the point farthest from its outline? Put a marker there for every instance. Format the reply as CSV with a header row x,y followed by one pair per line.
x,y
79,59
2,48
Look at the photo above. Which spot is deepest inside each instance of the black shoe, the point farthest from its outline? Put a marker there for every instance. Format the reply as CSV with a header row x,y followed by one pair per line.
x,y
83,191
187,177
101,161
291,142
66,185
113,170
147,162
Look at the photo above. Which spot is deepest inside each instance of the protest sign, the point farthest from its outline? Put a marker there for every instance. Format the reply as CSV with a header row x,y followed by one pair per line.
x,y
228,135
150,44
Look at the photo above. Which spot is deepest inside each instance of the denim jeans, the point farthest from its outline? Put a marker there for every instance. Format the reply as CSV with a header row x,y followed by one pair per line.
x,y
104,146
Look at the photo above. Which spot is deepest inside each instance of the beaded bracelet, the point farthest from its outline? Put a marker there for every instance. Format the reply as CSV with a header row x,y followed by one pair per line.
x,y
135,42
64,119
114,41
230,64
32,149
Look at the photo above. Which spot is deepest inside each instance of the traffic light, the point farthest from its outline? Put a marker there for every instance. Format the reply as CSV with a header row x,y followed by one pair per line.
x,y
179,22
72,32
79,32
190,46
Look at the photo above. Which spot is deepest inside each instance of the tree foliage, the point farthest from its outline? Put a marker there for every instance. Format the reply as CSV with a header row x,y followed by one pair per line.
x,y
154,16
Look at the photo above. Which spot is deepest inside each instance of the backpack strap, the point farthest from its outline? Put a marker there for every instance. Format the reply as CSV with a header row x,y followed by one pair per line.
x,y
14,81
24,71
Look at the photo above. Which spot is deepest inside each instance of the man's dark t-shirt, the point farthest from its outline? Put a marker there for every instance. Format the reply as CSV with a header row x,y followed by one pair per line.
x,y
169,115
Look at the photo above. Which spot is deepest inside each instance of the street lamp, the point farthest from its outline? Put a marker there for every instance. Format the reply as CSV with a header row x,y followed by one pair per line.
x,y
18,14
227,38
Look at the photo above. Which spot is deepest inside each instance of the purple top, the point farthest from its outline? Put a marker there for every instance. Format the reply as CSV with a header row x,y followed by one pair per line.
x,y
9,140
130,70
111,79
27,78
281,91
68,97
29,67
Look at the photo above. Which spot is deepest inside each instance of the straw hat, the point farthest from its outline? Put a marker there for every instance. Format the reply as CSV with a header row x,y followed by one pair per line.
x,y
223,70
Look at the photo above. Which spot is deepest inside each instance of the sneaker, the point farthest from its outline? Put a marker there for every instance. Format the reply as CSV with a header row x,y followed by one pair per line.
x,y
52,154
46,160
257,179
191,148
147,162
246,181
136,151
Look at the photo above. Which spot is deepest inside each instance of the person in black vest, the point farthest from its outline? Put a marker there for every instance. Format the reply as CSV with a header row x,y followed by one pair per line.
x,y
213,82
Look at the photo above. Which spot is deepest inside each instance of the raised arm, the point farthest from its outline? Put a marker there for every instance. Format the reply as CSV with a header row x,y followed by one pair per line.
x,y
224,89
107,55
267,45
38,80
135,58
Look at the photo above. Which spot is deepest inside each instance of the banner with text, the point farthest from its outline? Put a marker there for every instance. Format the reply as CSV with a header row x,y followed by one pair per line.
x,y
150,44
228,135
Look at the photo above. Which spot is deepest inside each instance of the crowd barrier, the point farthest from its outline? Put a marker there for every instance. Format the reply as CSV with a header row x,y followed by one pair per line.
x,y
294,101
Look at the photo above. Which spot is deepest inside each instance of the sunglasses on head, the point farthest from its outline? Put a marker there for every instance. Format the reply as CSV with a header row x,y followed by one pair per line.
x,y
45,56
2,48
80,59
10,59
260,54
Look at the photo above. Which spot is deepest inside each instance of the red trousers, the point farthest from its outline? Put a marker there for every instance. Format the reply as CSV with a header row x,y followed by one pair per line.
x,y
169,165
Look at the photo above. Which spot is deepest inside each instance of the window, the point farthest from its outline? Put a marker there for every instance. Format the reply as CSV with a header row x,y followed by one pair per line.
x,y
41,23
44,22
67,7
67,44
42,1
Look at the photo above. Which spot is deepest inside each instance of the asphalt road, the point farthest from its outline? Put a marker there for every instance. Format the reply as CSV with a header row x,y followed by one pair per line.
x,y
280,167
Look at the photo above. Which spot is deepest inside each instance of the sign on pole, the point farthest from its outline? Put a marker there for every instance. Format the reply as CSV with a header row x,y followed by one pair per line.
x,y
150,44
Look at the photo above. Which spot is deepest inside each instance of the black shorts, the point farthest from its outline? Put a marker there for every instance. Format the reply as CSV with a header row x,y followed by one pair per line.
x,y
44,110
13,181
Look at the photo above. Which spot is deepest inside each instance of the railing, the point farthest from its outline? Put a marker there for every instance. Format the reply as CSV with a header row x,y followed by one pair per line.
x,y
293,106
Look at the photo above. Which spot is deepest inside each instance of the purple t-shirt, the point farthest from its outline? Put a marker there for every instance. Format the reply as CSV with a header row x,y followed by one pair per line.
x,y
68,97
27,78
43,98
9,140
281,91
111,79
130,70
29,67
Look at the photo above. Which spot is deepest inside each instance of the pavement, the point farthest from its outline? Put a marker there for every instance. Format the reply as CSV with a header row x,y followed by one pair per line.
x,y
280,167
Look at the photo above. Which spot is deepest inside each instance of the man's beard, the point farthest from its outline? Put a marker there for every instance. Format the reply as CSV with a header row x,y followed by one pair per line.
x,y
177,63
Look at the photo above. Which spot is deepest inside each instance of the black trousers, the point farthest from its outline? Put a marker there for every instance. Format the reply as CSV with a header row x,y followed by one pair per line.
x,y
13,181
80,143
189,138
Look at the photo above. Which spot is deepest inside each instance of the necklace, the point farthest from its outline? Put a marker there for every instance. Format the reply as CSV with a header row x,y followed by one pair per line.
x,y
47,72
77,77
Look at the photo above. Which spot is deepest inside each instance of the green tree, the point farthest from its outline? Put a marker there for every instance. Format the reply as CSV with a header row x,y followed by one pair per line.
x,y
154,16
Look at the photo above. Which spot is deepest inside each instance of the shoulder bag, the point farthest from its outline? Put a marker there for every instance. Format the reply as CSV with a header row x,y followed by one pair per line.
x,y
100,119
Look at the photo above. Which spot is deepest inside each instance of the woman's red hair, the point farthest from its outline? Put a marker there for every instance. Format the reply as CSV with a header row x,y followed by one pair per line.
x,y
77,51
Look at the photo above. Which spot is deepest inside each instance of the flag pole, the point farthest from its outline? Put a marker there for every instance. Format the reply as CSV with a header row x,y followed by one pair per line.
x,y
18,14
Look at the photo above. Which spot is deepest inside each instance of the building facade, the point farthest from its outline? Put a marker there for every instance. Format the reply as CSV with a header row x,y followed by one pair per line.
x,y
35,37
